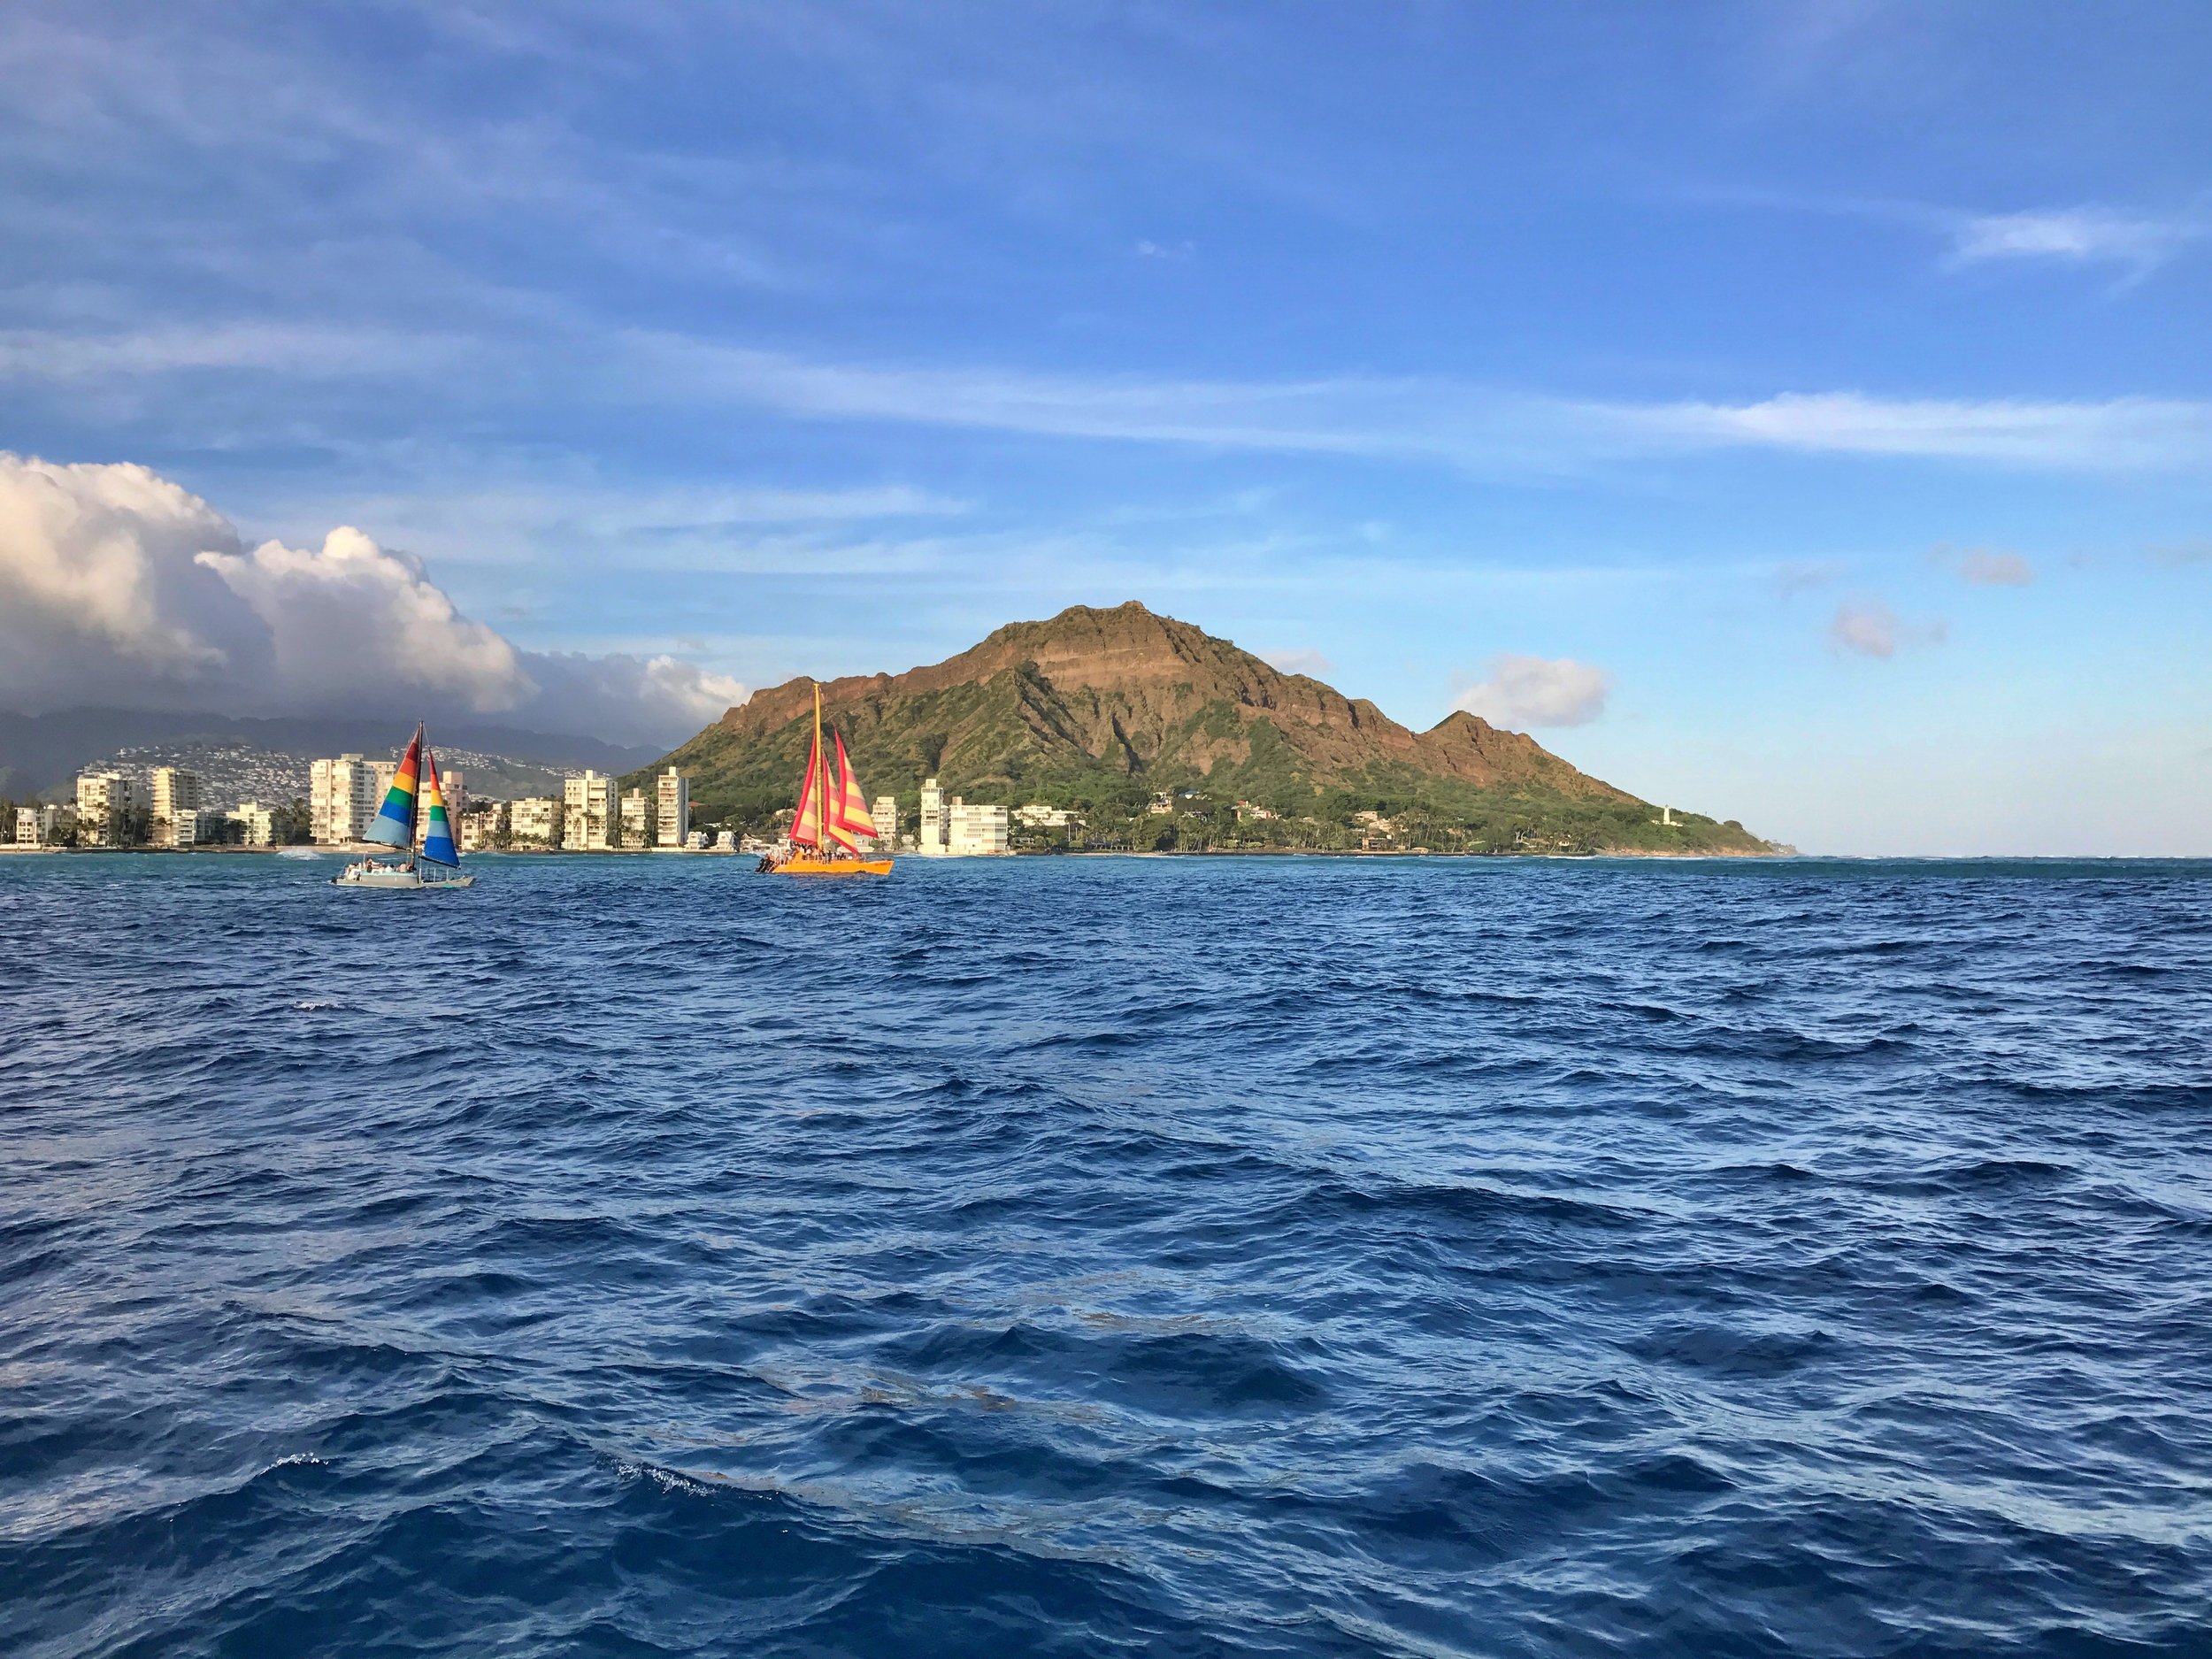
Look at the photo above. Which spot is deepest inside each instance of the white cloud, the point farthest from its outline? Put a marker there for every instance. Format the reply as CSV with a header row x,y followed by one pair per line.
x,y
120,588
1435,421
2081,234
1525,691
1988,567
1867,627
1298,661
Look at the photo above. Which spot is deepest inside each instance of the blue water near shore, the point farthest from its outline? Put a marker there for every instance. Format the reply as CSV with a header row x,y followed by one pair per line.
x,y
1095,1256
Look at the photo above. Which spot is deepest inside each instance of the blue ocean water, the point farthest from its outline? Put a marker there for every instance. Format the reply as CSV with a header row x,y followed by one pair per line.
x,y
1093,1257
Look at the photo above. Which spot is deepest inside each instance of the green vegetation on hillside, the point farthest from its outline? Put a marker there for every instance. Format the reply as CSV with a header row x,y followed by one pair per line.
x,y
1015,739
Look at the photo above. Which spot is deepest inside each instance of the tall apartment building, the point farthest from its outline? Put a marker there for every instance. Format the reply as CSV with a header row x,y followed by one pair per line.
x,y
674,792
176,806
636,827
257,824
971,831
886,814
104,804
955,829
342,795
933,836
454,792
591,813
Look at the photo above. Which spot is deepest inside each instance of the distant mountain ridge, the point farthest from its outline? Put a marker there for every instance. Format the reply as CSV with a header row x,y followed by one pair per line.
x,y
1093,703
42,752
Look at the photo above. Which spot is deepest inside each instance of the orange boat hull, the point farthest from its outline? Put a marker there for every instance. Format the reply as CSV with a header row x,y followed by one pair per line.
x,y
802,864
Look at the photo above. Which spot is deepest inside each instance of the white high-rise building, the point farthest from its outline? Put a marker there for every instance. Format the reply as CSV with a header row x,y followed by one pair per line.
x,y
674,792
591,813
971,831
176,805
104,801
636,822
535,822
932,837
886,814
342,797
452,792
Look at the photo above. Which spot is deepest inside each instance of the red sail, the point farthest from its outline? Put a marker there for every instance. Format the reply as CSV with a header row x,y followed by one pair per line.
x,y
806,823
850,808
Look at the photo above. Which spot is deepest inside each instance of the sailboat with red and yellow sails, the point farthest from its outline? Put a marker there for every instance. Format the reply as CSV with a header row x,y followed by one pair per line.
x,y
833,816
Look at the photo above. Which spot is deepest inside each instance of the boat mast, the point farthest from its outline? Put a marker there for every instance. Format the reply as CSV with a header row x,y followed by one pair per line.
x,y
414,801
821,781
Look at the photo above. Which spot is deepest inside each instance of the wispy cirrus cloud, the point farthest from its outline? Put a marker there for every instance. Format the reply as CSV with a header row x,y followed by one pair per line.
x,y
1443,421
2081,235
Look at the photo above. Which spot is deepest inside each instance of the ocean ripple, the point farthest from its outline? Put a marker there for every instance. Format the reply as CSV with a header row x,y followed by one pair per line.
x,y
1196,1257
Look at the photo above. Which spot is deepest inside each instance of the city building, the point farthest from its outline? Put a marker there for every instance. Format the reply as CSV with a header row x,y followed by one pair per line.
x,y
971,831
342,797
932,840
176,805
482,826
696,841
591,813
451,790
191,826
886,814
955,829
257,824
535,821
106,801
1038,816
674,790
725,841
36,826
637,830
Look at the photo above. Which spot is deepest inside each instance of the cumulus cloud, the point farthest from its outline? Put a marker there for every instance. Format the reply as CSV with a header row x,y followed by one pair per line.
x,y
1867,627
120,588
1525,691
1298,661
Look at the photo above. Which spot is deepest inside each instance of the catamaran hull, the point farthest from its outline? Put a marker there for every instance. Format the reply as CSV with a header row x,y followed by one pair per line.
x,y
394,880
801,865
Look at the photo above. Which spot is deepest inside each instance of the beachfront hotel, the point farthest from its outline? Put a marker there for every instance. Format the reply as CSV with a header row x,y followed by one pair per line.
x,y
591,813
953,829
341,798
674,790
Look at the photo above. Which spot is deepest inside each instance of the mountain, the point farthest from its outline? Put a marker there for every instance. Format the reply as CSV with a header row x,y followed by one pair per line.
x,y
1102,709
42,752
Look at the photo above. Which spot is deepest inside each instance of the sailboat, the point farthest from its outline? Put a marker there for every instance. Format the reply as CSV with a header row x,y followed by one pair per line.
x,y
395,827
833,816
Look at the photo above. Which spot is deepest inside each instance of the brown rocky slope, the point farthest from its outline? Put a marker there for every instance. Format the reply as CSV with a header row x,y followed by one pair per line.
x,y
1100,707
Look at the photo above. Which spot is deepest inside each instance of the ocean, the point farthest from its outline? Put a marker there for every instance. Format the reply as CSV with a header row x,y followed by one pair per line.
x,y
1221,1256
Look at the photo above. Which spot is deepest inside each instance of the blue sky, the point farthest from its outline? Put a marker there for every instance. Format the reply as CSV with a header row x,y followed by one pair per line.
x,y
1798,412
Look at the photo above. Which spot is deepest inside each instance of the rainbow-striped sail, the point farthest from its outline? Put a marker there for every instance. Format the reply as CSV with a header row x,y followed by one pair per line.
x,y
437,837
394,825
